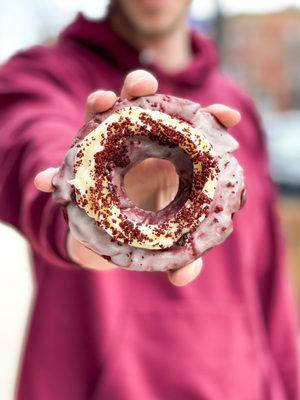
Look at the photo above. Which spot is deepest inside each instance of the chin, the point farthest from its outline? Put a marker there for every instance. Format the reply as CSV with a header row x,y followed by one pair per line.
x,y
153,28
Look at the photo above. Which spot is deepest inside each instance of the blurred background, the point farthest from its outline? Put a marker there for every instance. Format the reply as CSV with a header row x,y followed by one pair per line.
x,y
259,45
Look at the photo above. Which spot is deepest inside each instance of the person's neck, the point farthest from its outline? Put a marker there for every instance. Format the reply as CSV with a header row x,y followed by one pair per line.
x,y
159,50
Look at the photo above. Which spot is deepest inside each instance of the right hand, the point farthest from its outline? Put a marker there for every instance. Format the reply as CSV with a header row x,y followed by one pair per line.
x,y
137,83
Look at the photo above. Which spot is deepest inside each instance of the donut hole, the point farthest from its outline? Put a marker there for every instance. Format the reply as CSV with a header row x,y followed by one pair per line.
x,y
152,184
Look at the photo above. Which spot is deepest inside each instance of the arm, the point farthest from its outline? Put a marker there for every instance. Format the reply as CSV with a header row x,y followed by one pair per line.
x,y
38,121
35,132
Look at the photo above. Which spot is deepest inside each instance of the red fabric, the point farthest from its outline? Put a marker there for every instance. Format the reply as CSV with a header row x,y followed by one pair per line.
x,y
122,335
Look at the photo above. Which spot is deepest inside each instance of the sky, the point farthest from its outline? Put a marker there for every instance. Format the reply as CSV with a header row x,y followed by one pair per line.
x,y
35,20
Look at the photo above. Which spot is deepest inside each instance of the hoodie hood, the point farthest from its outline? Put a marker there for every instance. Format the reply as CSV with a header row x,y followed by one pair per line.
x,y
100,37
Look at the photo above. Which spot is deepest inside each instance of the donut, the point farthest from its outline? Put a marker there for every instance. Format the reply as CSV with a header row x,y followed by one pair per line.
x,y
90,183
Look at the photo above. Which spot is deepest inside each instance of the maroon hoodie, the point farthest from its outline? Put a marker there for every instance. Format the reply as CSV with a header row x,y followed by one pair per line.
x,y
120,335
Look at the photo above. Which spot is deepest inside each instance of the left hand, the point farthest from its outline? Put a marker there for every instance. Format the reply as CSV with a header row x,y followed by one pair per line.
x,y
137,83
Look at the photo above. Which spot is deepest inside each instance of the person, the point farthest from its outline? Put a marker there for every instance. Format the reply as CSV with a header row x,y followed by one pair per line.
x,y
100,332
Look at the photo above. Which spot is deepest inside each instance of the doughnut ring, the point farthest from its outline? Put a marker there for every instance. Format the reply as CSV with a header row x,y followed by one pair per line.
x,y
90,183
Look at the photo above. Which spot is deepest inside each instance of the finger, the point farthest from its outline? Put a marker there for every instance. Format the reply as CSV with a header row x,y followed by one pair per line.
x,y
226,115
43,180
187,274
99,101
85,257
139,83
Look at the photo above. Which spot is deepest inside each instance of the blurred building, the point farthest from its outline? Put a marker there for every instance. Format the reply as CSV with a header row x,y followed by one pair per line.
x,y
262,52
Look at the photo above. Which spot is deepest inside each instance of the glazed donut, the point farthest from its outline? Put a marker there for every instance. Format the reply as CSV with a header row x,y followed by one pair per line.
x,y
90,183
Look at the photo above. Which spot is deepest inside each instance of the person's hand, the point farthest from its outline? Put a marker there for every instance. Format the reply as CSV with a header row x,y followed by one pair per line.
x,y
160,192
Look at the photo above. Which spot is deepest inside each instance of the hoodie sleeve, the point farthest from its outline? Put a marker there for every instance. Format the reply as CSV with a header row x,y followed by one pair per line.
x,y
38,120
275,289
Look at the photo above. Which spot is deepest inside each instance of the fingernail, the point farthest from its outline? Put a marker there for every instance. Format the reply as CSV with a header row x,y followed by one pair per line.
x,y
135,82
94,95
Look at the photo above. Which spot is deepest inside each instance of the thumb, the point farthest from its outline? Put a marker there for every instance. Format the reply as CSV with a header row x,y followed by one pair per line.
x,y
43,180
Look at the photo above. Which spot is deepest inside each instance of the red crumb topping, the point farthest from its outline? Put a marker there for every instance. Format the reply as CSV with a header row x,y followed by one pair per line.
x,y
218,209
116,154
230,185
